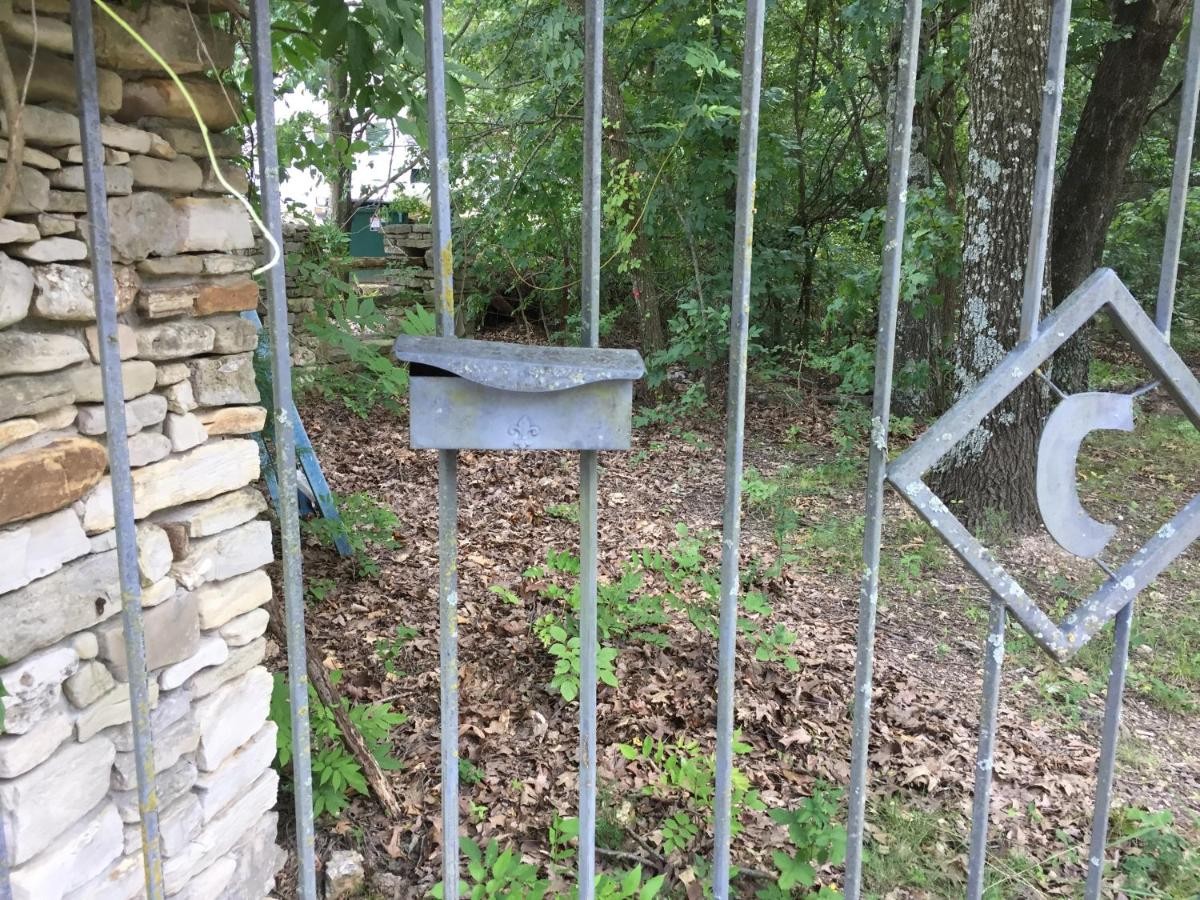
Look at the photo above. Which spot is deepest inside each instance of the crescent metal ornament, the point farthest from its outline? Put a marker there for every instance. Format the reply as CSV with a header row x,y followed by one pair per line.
x,y
1074,419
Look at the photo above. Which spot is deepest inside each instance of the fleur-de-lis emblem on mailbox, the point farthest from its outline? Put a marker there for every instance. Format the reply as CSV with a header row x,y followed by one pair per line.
x,y
523,433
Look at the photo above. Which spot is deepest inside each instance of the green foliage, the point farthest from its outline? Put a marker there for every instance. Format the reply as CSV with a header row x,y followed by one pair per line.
x,y
336,773
685,776
389,652
468,772
692,402
496,873
568,512
352,332
318,589
416,208
816,840
1134,246
363,377
628,886
698,340
564,648
365,524
628,610
1155,860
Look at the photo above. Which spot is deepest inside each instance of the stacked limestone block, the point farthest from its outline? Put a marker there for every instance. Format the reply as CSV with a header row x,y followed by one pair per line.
x,y
68,799
409,247
301,293
408,254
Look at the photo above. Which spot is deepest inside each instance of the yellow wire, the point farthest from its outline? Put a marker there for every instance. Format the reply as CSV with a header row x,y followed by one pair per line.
x,y
276,254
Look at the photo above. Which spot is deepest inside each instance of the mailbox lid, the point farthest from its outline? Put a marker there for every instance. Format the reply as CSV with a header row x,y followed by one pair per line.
x,y
520,367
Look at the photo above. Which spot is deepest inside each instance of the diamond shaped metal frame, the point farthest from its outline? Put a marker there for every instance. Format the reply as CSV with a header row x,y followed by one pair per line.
x,y
1103,290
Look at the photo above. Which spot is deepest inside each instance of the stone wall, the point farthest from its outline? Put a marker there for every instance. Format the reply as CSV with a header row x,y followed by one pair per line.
x,y
408,274
68,800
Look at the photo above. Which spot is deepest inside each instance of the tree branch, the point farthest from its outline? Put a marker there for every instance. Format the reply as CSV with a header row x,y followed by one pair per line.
x,y
354,742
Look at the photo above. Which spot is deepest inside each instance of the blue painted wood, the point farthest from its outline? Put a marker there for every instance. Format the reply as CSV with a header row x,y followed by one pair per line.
x,y
306,456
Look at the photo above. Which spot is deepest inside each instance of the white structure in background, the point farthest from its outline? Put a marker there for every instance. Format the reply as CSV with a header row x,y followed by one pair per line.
x,y
307,189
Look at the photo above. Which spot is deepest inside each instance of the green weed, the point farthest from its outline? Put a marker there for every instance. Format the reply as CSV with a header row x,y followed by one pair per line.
x,y
389,651
336,773
365,524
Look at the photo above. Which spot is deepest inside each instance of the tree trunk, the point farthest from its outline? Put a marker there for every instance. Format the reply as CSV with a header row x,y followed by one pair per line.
x,y
1117,106
645,294
918,335
340,202
923,335
992,469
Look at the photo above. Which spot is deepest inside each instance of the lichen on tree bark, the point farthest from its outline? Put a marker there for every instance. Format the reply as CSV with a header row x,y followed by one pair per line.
x,y
993,468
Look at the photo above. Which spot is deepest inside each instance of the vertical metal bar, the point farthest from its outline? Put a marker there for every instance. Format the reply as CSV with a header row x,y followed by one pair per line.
x,y
735,419
885,351
589,467
443,282
993,666
118,447
5,882
285,449
1164,311
1108,752
1047,156
448,655
1179,181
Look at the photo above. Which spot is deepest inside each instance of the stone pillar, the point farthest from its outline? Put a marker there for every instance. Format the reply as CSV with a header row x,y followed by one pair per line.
x,y
68,801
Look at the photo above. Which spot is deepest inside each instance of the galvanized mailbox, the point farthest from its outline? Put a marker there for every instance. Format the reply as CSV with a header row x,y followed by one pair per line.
x,y
486,395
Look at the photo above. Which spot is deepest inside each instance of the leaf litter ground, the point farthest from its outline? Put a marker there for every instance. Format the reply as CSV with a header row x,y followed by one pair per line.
x,y
521,737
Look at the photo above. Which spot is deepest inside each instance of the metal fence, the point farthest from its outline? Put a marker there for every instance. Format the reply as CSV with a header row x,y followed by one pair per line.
x,y
118,450
1038,341
1039,338
593,70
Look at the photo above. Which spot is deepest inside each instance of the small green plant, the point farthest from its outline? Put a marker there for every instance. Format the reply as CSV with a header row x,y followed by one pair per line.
x,y
496,873
350,330
508,595
1155,859
568,512
1104,375
628,886
319,588
679,831
565,650
692,402
469,773
615,886
562,832
417,320
336,773
681,773
756,489
389,651
365,524
816,840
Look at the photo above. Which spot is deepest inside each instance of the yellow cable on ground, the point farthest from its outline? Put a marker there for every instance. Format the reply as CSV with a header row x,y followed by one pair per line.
x,y
276,254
